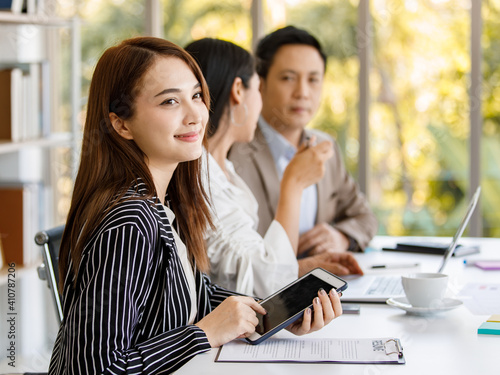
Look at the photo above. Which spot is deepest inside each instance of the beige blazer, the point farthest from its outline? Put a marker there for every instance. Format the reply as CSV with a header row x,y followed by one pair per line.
x,y
340,202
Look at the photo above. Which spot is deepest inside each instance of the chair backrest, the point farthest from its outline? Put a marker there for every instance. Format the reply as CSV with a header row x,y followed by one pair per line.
x,y
50,241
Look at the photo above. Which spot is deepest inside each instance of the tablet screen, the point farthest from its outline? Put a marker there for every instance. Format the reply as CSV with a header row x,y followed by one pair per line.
x,y
290,302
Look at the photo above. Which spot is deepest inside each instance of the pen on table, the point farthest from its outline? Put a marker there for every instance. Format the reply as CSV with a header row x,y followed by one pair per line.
x,y
472,262
396,265
469,262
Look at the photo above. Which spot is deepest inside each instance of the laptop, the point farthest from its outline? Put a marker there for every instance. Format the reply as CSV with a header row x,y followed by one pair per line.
x,y
378,288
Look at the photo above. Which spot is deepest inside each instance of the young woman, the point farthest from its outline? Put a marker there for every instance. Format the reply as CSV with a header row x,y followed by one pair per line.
x,y
241,259
135,299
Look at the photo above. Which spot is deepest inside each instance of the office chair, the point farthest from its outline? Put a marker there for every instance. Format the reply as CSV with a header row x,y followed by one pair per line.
x,y
50,240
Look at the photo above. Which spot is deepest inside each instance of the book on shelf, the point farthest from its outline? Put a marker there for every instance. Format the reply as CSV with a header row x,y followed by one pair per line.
x,y
19,221
10,104
30,113
29,6
20,104
14,6
2,258
19,6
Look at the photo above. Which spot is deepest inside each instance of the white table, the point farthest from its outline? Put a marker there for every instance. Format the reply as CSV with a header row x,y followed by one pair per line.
x,y
446,343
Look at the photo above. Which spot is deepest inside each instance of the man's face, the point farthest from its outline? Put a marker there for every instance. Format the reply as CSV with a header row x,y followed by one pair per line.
x,y
291,92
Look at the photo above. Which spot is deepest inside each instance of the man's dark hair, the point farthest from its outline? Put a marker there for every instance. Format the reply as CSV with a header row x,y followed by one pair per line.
x,y
271,43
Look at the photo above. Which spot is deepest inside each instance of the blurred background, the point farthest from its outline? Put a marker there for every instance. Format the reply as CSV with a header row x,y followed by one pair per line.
x,y
417,109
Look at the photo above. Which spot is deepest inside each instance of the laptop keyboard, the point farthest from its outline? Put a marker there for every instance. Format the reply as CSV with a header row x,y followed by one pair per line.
x,y
386,286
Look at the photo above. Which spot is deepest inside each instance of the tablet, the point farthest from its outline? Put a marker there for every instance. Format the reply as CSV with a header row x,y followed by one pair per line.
x,y
288,304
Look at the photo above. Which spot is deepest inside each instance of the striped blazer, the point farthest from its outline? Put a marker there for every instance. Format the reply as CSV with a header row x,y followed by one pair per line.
x,y
130,308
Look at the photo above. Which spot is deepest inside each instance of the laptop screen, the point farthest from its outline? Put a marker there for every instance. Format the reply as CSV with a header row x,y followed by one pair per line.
x,y
449,252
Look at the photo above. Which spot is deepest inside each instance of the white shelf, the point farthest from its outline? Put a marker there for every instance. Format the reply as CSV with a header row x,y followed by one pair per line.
x,y
28,161
35,19
56,139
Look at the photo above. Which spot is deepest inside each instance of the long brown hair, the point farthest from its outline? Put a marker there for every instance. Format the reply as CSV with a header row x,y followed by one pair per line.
x,y
109,164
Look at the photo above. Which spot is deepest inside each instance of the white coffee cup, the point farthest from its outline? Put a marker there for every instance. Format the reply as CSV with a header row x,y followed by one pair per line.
x,y
425,289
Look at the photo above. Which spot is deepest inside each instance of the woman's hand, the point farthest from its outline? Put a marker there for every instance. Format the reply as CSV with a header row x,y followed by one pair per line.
x,y
234,318
326,307
323,237
308,165
338,263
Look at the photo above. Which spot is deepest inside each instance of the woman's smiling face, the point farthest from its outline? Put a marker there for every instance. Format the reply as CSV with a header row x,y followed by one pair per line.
x,y
170,114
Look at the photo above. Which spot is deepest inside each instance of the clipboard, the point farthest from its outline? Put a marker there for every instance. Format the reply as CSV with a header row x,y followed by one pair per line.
x,y
386,350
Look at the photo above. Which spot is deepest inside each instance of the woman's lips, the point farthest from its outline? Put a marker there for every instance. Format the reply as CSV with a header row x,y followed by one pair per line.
x,y
188,137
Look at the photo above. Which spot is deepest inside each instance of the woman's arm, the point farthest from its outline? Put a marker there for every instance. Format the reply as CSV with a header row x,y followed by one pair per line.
x,y
244,261
240,258
306,168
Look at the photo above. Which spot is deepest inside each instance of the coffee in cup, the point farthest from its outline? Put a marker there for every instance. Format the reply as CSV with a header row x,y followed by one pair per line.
x,y
425,289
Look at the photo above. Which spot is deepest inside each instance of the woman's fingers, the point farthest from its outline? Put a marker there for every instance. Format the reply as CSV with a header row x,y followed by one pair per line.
x,y
336,304
326,307
257,307
303,326
318,318
326,303
234,317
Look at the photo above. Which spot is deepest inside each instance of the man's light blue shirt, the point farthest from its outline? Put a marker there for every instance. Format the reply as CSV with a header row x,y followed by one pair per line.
x,y
283,151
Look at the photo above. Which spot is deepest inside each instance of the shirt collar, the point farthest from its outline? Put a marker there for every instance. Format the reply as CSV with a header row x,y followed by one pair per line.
x,y
278,145
216,172
170,213
138,187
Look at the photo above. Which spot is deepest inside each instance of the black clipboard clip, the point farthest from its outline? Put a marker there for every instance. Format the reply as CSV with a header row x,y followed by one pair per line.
x,y
398,350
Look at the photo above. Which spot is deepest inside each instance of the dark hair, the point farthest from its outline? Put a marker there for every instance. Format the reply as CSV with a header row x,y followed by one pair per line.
x,y
110,163
221,62
271,43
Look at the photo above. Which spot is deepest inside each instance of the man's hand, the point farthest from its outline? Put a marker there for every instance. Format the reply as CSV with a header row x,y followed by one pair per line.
x,y
337,263
323,237
307,167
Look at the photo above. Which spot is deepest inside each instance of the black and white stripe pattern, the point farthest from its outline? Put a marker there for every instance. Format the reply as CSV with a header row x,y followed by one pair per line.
x,y
128,313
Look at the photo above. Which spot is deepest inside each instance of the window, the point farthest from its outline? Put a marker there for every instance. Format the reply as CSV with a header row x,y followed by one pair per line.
x,y
333,23
490,105
188,20
419,109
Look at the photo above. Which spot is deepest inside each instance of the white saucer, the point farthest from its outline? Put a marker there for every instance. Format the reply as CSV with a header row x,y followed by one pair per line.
x,y
445,305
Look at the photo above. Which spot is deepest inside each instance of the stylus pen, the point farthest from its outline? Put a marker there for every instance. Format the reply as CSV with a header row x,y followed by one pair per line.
x,y
396,265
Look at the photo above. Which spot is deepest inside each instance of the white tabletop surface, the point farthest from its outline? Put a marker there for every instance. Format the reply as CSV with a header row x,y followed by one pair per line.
x,y
445,343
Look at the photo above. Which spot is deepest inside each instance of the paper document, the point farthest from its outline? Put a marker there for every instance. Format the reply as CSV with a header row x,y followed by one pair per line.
x,y
481,298
380,350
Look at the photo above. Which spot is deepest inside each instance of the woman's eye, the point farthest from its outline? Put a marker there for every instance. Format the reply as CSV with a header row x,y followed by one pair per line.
x,y
168,101
198,95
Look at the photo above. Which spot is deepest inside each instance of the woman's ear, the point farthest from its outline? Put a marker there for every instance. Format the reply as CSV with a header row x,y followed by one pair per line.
x,y
120,126
237,91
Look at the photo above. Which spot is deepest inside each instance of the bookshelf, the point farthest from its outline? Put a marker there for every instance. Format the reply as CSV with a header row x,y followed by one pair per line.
x,y
38,154
33,19
52,140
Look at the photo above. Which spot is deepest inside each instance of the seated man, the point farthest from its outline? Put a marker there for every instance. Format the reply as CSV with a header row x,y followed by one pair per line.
x,y
335,215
